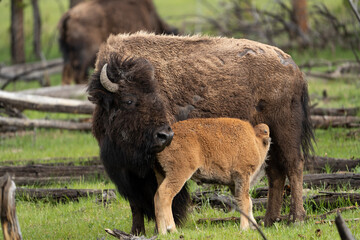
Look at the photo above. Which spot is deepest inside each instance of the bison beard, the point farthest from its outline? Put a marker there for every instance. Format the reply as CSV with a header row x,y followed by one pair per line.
x,y
137,183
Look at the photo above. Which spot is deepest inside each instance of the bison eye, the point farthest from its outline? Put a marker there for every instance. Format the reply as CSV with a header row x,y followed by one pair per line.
x,y
129,102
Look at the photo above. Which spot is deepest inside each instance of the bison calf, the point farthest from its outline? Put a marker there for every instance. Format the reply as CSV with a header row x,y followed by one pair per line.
x,y
223,151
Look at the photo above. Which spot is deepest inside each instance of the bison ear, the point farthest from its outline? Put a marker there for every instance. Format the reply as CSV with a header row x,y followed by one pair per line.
x,y
102,99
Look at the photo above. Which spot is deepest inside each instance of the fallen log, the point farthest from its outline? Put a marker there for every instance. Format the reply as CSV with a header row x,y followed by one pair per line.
x,y
59,194
42,123
334,111
56,161
47,104
329,200
335,121
332,180
316,164
62,91
51,171
30,71
9,222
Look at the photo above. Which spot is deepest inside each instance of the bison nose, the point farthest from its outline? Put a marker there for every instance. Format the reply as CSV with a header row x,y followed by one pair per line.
x,y
163,136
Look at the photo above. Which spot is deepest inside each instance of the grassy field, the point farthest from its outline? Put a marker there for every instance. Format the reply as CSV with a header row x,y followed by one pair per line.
x,y
86,219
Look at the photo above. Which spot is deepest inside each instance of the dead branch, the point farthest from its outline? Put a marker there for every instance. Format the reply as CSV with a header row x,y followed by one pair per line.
x,y
56,161
48,104
30,71
343,230
9,221
62,91
316,164
355,10
125,236
60,194
42,123
335,121
332,180
335,111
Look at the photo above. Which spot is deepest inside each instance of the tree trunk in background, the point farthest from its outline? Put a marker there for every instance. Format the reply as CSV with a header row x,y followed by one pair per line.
x,y
300,15
74,2
17,32
37,29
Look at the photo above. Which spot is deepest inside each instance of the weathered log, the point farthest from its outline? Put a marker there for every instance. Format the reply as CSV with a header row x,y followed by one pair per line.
x,y
316,164
332,180
56,161
51,171
62,91
334,111
59,194
48,104
31,71
125,236
9,221
42,123
335,121
343,230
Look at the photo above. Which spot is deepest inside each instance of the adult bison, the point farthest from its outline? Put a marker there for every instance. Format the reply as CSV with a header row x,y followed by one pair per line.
x,y
87,25
142,83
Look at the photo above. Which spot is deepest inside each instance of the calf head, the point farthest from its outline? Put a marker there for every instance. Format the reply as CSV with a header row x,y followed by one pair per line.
x,y
129,110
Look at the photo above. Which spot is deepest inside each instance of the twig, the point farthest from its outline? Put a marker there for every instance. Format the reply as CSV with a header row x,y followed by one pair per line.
x,y
343,230
353,7
125,236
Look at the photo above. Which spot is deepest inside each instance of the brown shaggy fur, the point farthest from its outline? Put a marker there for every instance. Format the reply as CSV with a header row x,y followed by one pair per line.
x,y
87,25
224,151
204,77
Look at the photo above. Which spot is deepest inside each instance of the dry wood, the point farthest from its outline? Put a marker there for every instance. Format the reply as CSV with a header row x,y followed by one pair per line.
x,y
42,103
335,111
9,221
42,171
332,180
42,123
335,121
59,194
343,230
62,91
316,164
56,161
125,236
30,71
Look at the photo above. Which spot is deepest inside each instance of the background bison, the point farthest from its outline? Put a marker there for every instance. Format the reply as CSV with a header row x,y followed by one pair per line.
x,y
84,27
142,83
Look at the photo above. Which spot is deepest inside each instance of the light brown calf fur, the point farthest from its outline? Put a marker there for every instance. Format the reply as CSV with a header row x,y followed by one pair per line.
x,y
224,151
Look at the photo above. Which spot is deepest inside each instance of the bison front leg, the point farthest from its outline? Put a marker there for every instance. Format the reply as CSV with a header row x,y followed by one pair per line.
x,y
138,226
276,179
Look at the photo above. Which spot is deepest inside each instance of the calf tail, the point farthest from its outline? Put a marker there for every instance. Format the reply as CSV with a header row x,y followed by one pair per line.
x,y
307,134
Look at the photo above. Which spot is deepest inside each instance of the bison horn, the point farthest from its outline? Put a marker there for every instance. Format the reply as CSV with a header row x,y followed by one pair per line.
x,y
105,81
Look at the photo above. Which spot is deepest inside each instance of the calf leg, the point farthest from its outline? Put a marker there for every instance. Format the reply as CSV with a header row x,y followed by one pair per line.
x,y
242,186
164,196
276,178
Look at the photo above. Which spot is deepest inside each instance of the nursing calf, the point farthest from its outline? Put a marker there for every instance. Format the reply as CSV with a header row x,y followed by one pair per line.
x,y
223,151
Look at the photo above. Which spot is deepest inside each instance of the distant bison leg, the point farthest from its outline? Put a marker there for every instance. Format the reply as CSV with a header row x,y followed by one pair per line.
x,y
242,186
164,196
138,226
67,74
276,177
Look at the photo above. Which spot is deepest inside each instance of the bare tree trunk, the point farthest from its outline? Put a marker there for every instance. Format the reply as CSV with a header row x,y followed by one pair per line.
x,y
301,19
17,32
75,2
37,29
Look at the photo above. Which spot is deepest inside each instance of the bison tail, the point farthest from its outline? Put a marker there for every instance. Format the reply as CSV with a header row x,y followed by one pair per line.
x,y
180,205
307,135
